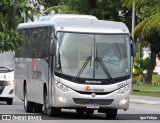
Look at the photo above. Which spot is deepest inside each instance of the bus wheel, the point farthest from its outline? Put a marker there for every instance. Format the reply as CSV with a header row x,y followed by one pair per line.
x,y
27,104
45,102
111,113
80,111
55,111
38,108
90,111
9,101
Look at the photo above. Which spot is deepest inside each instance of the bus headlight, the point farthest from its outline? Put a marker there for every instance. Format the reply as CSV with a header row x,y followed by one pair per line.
x,y
9,82
61,99
62,87
123,101
123,89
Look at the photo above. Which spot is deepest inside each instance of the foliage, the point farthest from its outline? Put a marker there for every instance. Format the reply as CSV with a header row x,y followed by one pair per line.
x,y
11,40
102,9
11,13
155,79
47,3
61,9
140,65
149,17
148,28
138,79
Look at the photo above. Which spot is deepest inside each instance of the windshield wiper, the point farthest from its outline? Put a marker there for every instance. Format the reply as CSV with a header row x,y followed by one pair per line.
x,y
5,68
99,60
83,67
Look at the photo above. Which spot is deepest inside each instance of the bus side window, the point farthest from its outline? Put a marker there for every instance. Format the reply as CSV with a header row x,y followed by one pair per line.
x,y
27,46
41,37
34,44
28,43
45,41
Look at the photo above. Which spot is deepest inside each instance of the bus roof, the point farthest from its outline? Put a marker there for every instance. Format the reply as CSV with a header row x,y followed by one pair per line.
x,y
66,16
82,26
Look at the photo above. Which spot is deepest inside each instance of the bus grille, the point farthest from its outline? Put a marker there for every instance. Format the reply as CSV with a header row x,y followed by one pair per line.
x,y
93,101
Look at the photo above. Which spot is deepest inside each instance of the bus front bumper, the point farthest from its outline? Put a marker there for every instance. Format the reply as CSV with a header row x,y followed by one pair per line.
x,y
73,99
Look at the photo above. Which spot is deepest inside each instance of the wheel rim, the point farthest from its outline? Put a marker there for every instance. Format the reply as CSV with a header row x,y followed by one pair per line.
x,y
46,101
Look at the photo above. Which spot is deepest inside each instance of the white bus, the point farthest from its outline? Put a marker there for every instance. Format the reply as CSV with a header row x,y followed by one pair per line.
x,y
7,77
62,66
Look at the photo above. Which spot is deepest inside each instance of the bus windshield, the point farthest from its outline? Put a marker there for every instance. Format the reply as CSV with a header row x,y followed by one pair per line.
x,y
7,61
93,56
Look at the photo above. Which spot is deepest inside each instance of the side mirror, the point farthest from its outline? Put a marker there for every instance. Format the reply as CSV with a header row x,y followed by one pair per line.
x,y
133,47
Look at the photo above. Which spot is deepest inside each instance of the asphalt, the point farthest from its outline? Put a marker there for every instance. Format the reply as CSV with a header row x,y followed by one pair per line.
x,y
144,100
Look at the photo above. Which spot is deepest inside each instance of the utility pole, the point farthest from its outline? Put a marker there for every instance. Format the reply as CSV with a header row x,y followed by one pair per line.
x,y
133,16
24,15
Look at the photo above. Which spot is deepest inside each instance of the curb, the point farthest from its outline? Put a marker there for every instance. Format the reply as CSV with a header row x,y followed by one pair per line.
x,y
145,102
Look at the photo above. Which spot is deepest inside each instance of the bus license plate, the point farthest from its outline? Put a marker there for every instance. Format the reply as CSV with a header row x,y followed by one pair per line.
x,y
92,106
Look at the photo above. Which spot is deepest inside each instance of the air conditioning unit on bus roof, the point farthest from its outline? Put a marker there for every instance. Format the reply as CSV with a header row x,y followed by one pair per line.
x,y
66,16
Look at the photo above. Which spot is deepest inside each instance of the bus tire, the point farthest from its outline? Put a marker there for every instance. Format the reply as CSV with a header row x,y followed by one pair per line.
x,y
45,100
29,106
55,111
90,111
38,108
80,111
9,101
111,113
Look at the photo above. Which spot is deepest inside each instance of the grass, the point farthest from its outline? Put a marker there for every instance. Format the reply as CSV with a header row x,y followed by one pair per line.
x,y
147,90
150,94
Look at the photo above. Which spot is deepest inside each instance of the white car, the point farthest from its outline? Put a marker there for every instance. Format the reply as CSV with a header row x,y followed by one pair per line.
x,y
7,77
6,90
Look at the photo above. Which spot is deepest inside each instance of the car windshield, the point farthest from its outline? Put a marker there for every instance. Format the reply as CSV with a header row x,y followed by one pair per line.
x,y
109,55
6,61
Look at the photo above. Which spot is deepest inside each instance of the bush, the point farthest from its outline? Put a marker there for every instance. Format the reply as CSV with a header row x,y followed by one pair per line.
x,y
138,79
155,79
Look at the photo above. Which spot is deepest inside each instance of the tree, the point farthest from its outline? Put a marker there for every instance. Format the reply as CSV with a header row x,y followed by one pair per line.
x,y
48,3
102,9
140,65
11,13
148,28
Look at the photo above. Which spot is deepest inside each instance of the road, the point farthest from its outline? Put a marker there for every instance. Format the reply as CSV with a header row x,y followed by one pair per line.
x,y
142,110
